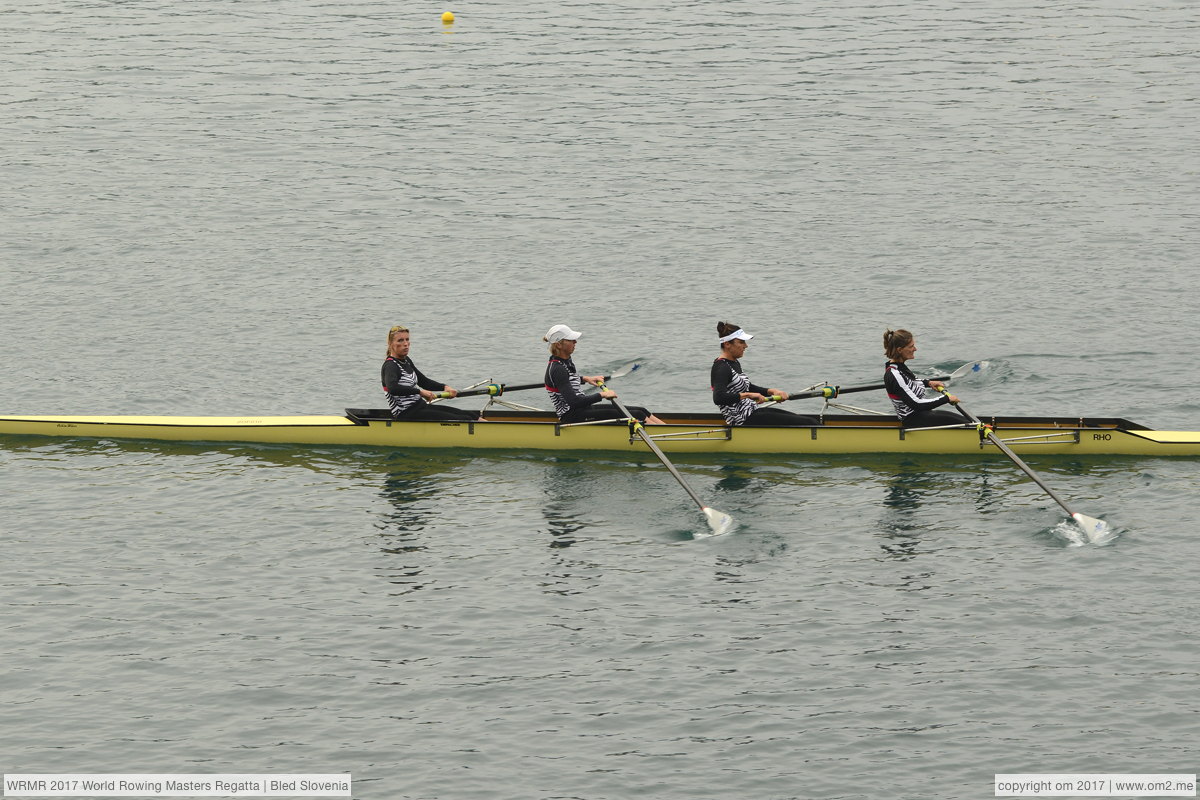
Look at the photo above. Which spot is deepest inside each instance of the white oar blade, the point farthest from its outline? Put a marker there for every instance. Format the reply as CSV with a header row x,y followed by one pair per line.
x,y
625,369
720,522
1097,530
970,369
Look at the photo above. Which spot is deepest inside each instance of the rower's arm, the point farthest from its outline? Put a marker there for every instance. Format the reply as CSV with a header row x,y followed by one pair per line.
x,y
721,376
429,384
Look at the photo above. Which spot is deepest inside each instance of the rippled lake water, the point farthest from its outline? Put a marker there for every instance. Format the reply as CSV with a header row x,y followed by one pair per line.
x,y
215,208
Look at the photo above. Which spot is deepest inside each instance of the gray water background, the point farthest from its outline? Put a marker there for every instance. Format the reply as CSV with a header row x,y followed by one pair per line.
x,y
219,208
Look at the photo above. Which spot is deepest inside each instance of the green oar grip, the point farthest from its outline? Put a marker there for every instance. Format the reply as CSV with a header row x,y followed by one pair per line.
x,y
824,391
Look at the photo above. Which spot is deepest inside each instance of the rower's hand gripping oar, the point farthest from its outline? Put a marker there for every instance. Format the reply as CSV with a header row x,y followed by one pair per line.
x,y
497,389
1095,529
718,521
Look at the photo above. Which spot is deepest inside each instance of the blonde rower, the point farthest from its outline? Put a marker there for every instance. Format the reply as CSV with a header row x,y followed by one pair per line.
x,y
408,390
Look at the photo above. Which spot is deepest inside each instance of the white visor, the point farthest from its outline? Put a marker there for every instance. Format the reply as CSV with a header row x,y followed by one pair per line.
x,y
738,334
560,332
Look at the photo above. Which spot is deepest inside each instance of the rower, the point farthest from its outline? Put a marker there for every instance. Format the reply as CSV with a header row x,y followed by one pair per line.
x,y
907,391
564,384
409,391
739,399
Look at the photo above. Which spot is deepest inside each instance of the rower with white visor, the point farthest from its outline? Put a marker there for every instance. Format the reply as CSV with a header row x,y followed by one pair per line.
x,y
740,401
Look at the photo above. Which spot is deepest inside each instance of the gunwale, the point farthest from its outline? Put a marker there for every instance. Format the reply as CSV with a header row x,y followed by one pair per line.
x,y
684,433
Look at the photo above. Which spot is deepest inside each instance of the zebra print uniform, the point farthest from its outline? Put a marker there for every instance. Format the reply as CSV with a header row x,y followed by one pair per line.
x,y
401,380
728,381
565,387
907,391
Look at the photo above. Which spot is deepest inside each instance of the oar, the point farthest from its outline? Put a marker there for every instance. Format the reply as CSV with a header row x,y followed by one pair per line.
x,y
834,391
718,521
497,389
1092,527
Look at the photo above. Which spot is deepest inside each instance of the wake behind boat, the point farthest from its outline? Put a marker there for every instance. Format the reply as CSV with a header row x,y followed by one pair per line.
x,y
682,433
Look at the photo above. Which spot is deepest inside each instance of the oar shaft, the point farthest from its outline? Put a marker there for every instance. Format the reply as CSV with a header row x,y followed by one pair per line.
x,y
834,391
661,455
497,389
1015,458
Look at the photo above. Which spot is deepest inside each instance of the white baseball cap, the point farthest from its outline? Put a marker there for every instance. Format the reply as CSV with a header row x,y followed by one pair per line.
x,y
560,332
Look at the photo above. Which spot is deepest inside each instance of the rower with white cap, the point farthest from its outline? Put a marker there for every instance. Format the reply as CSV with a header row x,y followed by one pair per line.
x,y
733,392
564,384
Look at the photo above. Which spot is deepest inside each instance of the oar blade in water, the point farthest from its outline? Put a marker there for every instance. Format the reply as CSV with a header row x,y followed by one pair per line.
x,y
718,521
1097,530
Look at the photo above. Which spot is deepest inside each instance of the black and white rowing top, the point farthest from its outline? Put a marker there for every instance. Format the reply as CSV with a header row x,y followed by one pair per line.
x,y
566,387
728,381
907,391
402,383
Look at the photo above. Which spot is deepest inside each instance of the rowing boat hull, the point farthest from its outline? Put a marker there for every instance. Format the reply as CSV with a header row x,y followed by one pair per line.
x,y
691,433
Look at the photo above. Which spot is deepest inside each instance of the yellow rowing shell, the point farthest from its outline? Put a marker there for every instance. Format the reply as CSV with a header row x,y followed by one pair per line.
x,y
684,433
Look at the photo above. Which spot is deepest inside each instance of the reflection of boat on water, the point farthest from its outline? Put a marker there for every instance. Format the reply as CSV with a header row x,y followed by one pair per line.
x,y
905,491
684,433
402,493
561,485
362,464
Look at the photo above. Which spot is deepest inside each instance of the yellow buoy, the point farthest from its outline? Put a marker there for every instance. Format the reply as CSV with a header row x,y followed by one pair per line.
x,y
448,18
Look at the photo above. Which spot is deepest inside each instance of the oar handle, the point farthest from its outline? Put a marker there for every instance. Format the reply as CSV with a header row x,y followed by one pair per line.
x,y
829,392
497,389
984,428
605,378
967,415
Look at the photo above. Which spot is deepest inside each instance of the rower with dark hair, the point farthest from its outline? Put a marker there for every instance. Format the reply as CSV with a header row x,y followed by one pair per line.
x,y
565,385
733,392
408,390
907,391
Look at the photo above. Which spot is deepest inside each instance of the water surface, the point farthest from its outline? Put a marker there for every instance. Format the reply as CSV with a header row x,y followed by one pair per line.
x,y
220,209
